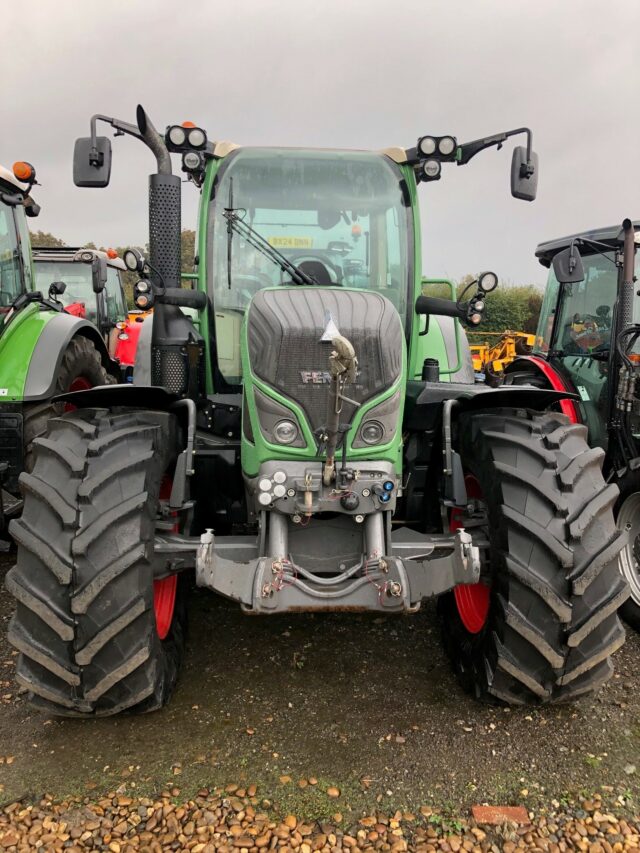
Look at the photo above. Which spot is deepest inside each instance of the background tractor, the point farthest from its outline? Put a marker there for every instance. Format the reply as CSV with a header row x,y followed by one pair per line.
x,y
586,343
301,444
43,350
106,309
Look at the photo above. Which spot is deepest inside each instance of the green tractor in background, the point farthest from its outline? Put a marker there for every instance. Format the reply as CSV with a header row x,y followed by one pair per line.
x,y
586,343
43,350
307,443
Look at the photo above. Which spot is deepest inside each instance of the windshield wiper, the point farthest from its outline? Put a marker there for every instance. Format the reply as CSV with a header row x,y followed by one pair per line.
x,y
599,355
236,224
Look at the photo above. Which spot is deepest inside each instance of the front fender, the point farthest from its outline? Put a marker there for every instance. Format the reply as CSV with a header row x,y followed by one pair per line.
x,y
544,373
109,396
49,351
424,410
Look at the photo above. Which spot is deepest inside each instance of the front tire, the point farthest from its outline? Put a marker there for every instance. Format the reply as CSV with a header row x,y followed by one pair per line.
x,y
81,367
85,624
551,624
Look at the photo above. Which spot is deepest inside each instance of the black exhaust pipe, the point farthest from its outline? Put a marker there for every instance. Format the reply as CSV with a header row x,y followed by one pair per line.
x,y
173,358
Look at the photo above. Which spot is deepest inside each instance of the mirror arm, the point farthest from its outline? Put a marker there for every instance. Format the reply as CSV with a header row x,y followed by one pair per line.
x,y
470,149
144,131
601,248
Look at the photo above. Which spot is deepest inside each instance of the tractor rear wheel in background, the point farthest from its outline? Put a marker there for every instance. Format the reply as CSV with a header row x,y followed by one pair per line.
x,y
544,624
96,633
627,511
81,368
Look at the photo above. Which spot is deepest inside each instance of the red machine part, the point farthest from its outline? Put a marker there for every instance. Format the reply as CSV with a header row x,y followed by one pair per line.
x,y
77,309
472,599
127,344
165,589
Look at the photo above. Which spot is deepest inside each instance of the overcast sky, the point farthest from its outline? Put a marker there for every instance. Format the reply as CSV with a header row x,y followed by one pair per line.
x,y
340,73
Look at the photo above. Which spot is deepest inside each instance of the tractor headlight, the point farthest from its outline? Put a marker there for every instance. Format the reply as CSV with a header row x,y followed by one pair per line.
x,y
427,146
285,432
446,145
379,424
372,432
278,424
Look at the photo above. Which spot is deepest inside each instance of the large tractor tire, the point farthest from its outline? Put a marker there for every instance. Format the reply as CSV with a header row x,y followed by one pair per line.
x,y
627,512
81,368
543,624
96,634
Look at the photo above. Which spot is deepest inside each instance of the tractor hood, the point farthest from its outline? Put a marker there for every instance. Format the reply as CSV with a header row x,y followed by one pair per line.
x,y
289,334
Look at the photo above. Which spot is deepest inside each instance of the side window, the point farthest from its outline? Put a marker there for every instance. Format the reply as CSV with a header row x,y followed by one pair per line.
x,y
25,247
116,310
10,267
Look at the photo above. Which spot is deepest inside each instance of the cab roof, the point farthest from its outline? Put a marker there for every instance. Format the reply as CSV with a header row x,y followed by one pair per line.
x,y
612,235
70,254
8,176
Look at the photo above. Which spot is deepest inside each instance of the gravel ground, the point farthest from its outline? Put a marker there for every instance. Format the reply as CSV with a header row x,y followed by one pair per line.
x,y
363,704
238,820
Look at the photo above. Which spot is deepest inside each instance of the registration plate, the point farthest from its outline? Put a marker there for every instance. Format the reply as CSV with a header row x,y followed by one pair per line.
x,y
291,242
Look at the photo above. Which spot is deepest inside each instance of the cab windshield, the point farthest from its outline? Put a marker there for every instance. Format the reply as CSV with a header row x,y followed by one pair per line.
x,y
339,216
79,296
584,323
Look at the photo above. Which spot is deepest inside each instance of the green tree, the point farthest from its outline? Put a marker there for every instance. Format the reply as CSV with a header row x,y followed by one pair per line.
x,y
43,239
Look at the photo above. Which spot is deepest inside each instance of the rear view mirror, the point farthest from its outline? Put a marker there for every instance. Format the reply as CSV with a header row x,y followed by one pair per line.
x,y
524,174
92,163
99,274
56,288
567,266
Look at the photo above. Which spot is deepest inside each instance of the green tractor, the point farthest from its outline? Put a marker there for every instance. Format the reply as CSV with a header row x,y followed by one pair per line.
x,y
43,350
586,343
307,444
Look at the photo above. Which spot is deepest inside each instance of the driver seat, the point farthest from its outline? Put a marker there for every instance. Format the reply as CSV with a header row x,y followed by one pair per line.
x,y
318,271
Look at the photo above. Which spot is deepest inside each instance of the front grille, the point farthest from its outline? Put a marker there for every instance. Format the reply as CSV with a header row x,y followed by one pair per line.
x,y
284,331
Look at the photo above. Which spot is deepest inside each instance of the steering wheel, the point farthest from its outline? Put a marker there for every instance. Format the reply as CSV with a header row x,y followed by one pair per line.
x,y
302,255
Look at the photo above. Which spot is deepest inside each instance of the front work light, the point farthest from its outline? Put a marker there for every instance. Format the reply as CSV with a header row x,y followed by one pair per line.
x,y
192,161
447,145
487,281
427,145
177,135
431,170
197,137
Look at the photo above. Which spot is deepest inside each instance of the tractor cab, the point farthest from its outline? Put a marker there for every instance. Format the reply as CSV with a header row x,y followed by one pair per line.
x,y
342,218
16,275
577,321
85,294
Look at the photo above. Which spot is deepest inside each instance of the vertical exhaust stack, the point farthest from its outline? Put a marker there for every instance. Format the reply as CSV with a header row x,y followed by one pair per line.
x,y
627,287
169,366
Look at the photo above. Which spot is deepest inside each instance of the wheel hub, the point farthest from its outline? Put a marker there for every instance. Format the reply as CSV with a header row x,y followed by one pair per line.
x,y
629,520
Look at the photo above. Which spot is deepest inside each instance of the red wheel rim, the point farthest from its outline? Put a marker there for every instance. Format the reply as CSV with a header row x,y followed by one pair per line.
x,y
164,590
164,602
80,383
473,599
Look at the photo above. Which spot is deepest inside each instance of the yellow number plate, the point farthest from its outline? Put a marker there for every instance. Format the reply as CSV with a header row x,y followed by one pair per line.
x,y
291,242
